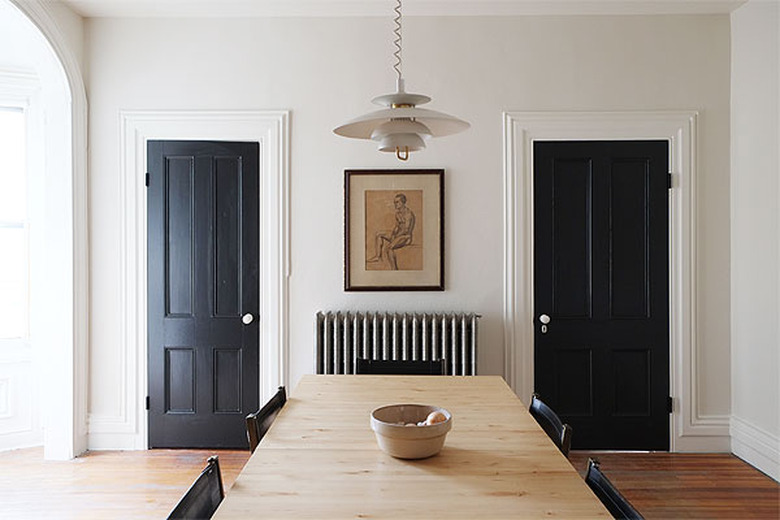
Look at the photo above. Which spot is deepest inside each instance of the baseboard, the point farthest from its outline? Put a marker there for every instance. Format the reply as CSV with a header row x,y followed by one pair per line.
x,y
703,434
755,446
702,444
114,441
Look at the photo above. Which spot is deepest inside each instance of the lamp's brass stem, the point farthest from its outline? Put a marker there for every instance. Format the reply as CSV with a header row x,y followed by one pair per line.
x,y
404,156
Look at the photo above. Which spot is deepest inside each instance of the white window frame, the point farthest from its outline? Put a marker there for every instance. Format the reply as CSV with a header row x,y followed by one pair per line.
x,y
24,224
21,357
19,89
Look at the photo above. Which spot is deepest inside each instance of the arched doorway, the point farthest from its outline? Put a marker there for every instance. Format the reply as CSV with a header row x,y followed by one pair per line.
x,y
59,287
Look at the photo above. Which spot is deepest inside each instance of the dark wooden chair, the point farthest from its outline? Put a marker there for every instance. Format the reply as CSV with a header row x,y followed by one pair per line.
x,y
550,422
204,495
428,367
257,423
615,503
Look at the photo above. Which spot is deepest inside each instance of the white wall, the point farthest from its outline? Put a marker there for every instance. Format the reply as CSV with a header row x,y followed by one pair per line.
x,y
326,70
71,27
755,235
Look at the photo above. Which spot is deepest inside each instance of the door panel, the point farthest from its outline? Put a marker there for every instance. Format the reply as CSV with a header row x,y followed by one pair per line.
x,y
631,382
601,274
628,251
179,380
226,214
203,276
227,380
574,373
571,239
178,233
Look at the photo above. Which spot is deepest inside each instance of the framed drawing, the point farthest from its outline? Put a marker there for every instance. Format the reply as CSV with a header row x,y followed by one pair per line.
x,y
394,230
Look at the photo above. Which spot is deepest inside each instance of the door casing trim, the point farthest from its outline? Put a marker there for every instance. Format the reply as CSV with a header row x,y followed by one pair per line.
x,y
690,430
129,428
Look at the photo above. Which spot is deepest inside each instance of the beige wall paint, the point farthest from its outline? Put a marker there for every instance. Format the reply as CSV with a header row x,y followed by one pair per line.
x,y
326,71
755,232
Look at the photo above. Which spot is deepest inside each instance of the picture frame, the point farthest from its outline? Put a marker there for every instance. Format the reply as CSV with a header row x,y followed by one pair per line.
x,y
394,230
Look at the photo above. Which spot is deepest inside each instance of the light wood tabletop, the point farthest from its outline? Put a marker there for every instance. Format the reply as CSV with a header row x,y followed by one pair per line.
x,y
320,458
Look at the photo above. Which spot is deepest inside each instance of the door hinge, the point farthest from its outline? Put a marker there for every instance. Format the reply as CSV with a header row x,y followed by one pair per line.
x,y
670,404
148,401
146,181
668,181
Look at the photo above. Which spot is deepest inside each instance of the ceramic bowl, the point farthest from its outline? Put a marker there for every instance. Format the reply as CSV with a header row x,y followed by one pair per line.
x,y
409,442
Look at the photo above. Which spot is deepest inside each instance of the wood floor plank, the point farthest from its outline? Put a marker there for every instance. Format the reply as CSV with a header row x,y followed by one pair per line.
x,y
104,484
688,485
146,484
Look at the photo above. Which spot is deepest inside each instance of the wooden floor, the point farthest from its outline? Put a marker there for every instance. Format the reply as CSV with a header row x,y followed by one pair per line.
x,y
146,484
688,485
104,484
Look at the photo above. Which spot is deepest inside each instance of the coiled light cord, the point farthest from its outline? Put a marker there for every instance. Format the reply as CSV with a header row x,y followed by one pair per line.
x,y
397,41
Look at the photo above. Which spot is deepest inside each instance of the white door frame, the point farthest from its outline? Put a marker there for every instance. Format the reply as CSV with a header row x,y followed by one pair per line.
x,y
689,429
271,130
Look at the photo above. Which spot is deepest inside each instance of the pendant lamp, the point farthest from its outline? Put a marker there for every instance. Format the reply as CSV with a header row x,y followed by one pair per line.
x,y
401,127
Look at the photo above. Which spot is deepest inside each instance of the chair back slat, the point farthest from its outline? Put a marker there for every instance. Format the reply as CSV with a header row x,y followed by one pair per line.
x,y
560,433
204,495
612,499
258,423
428,367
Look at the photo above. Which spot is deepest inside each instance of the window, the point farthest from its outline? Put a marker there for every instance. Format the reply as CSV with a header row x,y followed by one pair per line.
x,y
14,243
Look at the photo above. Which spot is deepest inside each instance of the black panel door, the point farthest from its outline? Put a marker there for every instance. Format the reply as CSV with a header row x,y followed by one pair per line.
x,y
602,285
203,279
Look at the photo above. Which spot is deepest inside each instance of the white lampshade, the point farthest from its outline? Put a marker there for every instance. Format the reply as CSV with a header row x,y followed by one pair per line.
x,y
438,123
401,127
407,142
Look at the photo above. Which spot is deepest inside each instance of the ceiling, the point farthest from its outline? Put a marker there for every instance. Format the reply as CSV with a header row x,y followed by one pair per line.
x,y
253,8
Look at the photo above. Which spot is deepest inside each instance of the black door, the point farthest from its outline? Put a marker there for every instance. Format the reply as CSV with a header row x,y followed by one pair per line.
x,y
602,279
203,286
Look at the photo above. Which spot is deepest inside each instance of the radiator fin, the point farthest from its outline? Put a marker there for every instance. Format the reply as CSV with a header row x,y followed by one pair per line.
x,y
345,336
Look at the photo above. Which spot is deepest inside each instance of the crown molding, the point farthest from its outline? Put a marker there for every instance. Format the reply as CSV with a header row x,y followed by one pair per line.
x,y
362,8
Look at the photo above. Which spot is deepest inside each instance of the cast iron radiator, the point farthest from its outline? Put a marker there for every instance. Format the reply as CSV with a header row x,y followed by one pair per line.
x,y
343,337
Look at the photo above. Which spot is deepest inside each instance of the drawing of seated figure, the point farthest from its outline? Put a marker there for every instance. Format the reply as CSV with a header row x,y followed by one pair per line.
x,y
386,243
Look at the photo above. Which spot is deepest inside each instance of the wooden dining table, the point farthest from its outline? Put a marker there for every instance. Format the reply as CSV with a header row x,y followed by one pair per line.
x,y
320,459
